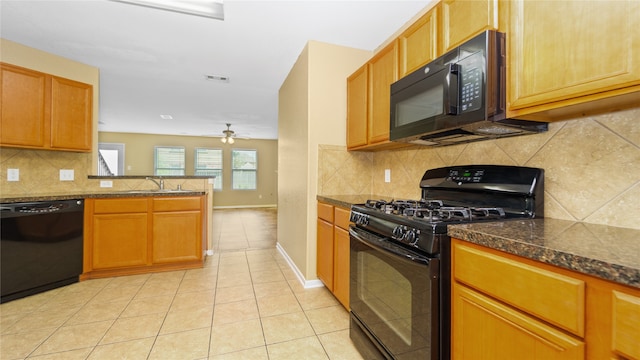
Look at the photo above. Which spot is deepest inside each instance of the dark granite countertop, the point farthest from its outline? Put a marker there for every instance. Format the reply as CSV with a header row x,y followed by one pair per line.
x,y
96,194
607,252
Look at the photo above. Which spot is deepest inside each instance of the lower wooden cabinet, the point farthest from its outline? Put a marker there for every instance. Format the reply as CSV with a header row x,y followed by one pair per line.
x,y
137,235
324,268
508,307
333,250
484,328
177,222
625,316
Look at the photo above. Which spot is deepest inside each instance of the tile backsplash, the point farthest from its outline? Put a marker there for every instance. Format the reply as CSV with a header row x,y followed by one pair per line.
x,y
40,174
592,167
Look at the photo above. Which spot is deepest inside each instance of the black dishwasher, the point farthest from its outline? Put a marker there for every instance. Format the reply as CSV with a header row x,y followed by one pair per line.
x,y
41,246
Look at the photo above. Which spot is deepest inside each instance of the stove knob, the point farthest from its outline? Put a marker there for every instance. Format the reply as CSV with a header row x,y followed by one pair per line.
x,y
398,232
411,237
363,220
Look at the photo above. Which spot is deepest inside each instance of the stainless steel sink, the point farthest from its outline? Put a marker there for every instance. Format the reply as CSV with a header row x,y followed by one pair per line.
x,y
157,191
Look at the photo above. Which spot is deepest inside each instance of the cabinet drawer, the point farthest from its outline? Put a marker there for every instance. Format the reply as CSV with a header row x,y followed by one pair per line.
x,y
626,325
555,298
176,204
341,218
120,206
325,212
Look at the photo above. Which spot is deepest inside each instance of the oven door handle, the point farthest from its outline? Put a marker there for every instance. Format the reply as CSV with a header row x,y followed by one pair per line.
x,y
384,245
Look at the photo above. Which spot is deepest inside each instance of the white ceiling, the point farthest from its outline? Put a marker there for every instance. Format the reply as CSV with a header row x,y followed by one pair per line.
x,y
153,62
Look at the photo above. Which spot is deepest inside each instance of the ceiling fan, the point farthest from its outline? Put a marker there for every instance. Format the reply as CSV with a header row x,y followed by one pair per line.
x,y
228,135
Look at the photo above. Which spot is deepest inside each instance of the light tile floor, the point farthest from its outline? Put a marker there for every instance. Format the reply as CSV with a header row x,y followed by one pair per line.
x,y
246,303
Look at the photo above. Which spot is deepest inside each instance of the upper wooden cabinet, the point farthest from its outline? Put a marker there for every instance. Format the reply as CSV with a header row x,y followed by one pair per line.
x,y
368,101
71,107
555,63
463,19
42,111
357,112
383,72
23,107
419,43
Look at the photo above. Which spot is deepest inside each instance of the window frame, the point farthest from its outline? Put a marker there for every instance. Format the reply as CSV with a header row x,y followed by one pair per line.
x,y
233,170
155,160
217,184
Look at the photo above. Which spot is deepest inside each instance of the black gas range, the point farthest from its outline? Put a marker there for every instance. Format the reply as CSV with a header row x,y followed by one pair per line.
x,y
400,265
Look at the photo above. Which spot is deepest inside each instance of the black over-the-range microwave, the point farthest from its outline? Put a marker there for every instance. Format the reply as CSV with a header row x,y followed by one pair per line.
x,y
459,97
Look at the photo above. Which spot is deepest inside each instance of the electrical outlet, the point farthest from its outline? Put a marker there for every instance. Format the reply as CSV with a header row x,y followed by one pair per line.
x,y
13,174
106,183
66,175
387,175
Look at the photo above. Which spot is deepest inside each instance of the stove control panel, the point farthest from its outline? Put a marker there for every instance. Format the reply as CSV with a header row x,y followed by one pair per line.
x,y
465,176
406,235
359,218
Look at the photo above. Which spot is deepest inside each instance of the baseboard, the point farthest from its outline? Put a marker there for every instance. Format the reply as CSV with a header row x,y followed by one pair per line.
x,y
246,206
307,284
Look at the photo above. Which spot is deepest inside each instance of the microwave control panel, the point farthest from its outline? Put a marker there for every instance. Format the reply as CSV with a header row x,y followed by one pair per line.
x,y
471,81
470,89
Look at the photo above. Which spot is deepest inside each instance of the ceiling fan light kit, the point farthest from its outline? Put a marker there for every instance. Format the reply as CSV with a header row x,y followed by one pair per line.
x,y
209,9
228,135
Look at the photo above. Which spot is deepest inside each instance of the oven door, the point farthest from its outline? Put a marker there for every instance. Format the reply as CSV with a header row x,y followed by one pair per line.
x,y
393,298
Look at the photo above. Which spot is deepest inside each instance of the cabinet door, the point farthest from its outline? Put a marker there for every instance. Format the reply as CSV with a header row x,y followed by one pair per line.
x,y
486,329
551,58
177,236
71,110
341,266
626,325
357,99
383,72
324,266
119,240
23,108
463,19
419,43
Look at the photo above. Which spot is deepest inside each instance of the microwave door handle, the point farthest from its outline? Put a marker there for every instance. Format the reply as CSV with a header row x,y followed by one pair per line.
x,y
451,92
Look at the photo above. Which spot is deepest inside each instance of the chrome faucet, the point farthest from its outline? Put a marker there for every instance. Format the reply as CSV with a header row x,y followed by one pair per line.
x,y
160,184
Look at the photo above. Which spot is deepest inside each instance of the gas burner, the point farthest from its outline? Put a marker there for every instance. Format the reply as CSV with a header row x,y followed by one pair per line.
x,y
404,207
435,211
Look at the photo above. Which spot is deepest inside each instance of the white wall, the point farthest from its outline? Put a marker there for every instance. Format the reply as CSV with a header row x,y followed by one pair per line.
x,y
312,111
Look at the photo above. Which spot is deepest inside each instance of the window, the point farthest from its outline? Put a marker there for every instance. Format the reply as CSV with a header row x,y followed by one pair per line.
x,y
169,160
244,165
209,163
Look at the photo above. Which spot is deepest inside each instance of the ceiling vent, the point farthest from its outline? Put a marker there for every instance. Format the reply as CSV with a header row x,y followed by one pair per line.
x,y
217,78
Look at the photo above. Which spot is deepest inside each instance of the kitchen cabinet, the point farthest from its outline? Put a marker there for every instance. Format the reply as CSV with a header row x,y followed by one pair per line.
x,y
505,306
324,244
357,112
559,68
333,250
383,72
463,19
625,324
368,101
177,222
419,42
119,233
479,319
42,111
143,234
